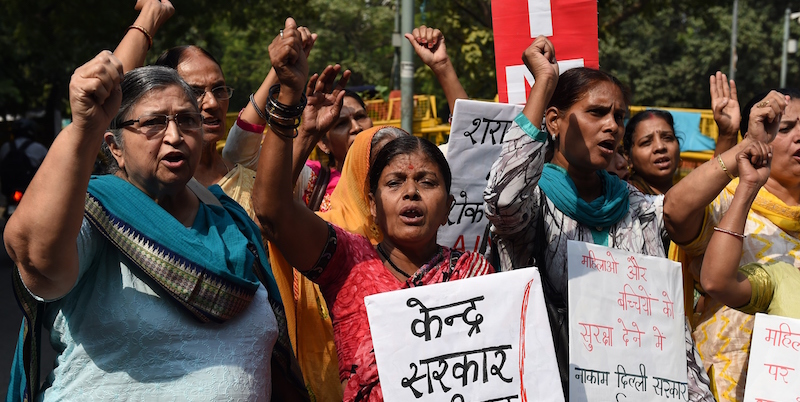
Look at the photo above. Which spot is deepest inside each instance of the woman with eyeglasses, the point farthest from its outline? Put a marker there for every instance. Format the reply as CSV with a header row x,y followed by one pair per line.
x,y
204,75
150,287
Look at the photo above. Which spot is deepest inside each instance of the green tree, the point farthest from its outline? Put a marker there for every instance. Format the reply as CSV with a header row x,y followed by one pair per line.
x,y
665,51
43,42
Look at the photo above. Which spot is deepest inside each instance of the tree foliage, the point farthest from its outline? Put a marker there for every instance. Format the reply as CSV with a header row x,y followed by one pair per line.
x,y
664,50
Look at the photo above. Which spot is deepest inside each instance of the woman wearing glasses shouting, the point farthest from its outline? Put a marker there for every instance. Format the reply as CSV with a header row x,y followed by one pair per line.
x,y
205,77
151,287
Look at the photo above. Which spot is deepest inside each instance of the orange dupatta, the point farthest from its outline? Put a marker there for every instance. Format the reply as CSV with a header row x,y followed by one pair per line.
x,y
308,318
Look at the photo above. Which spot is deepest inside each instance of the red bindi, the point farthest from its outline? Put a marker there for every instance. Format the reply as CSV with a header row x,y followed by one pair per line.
x,y
410,166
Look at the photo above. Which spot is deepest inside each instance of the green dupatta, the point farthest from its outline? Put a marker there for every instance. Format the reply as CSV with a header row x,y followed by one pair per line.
x,y
212,270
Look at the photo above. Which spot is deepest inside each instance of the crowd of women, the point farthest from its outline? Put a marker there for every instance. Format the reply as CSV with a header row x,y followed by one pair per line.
x,y
180,273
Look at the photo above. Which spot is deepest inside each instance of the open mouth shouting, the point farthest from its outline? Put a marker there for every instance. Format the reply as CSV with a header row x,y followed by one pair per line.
x,y
411,215
174,160
608,146
663,162
213,124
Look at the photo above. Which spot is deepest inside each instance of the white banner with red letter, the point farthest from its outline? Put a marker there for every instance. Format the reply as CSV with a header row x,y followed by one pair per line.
x,y
773,373
570,24
476,138
626,326
478,339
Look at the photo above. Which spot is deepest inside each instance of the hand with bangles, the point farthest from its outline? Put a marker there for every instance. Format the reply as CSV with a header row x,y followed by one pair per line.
x,y
720,275
158,11
290,63
138,39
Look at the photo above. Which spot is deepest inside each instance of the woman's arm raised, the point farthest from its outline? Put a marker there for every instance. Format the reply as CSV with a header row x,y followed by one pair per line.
x,y
242,147
720,274
138,39
296,231
725,105
41,235
513,178
685,203
318,116
429,45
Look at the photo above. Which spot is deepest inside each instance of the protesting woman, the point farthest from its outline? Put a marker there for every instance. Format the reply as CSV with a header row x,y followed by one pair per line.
x,y
755,287
771,231
337,135
154,287
314,338
204,75
535,207
409,199
653,151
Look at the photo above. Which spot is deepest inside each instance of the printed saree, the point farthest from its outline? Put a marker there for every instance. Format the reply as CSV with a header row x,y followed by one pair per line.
x,y
723,334
308,318
351,269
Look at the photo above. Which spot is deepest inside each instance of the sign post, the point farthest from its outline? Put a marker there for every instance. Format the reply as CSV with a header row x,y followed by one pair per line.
x,y
476,138
773,373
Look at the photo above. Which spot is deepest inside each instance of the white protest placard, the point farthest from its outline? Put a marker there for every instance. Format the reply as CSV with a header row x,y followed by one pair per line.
x,y
773,373
476,135
627,336
478,339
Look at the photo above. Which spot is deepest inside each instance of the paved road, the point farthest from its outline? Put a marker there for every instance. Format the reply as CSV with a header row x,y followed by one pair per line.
x,y
11,316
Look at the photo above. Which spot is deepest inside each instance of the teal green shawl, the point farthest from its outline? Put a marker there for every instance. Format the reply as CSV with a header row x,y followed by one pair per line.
x,y
600,214
212,269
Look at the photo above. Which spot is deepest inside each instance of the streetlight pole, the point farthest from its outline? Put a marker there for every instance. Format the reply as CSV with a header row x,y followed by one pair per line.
x,y
734,27
407,70
785,46
397,43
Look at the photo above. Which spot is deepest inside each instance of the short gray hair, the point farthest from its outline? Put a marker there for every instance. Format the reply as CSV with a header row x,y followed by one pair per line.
x,y
135,85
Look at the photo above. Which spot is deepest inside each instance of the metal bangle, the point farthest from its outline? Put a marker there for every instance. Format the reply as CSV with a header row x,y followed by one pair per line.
x,y
296,133
258,109
724,168
285,111
144,31
730,232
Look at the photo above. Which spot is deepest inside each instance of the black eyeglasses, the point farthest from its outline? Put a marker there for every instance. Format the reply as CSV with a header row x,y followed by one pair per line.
x,y
220,93
152,125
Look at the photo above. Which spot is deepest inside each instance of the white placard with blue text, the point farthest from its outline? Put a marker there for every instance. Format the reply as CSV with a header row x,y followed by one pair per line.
x,y
476,135
773,373
467,340
626,326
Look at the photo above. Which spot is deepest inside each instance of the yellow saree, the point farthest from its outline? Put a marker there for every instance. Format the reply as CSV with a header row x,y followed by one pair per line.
x,y
723,334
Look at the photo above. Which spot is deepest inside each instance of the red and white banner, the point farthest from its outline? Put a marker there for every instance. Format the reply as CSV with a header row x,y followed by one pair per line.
x,y
570,24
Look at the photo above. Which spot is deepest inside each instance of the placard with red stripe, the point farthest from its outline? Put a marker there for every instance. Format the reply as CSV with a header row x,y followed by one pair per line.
x,y
570,24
